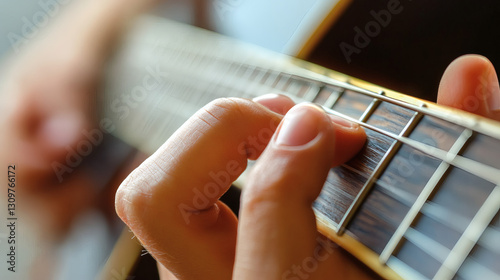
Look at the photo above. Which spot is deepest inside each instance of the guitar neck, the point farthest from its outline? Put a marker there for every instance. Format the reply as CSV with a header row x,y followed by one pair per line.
x,y
420,201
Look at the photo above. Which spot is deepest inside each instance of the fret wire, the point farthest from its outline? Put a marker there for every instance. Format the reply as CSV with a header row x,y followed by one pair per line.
x,y
346,85
372,94
249,69
470,123
251,86
260,74
336,99
478,169
312,92
422,198
315,78
360,197
371,108
333,98
470,236
317,93
282,81
271,79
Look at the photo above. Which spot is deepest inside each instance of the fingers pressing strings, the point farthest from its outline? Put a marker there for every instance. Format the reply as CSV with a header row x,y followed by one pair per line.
x,y
171,200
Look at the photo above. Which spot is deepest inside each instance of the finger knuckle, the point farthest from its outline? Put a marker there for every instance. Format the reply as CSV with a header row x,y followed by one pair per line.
x,y
224,110
131,200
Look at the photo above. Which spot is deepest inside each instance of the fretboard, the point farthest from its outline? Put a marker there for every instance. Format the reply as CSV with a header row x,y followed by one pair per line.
x,y
420,201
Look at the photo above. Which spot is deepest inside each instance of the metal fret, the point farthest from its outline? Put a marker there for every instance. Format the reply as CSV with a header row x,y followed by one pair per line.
x,y
358,200
312,92
316,95
283,79
269,78
481,170
371,108
251,87
335,100
423,197
471,236
469,123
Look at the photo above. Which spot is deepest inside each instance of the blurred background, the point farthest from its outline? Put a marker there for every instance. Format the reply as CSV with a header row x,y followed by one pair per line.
x,y
409,55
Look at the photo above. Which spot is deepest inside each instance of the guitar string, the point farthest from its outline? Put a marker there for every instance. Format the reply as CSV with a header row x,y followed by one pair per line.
x,y
460,144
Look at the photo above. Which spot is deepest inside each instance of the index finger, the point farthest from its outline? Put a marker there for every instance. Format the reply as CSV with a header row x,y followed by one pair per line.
x,y
171,200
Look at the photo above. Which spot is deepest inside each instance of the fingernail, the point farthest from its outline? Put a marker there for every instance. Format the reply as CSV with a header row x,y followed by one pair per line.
x,y
269,96
61,130
301,125
343,122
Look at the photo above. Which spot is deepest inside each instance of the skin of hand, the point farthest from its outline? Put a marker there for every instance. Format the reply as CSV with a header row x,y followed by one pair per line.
x,y
47,103
171,201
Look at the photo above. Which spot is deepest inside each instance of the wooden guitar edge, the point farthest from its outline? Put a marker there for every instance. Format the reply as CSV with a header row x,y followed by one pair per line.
x,y
354,247
454,115
322,28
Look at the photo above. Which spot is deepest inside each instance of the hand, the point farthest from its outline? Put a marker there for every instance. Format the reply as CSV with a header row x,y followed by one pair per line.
x,y
47,107
470,83
171,200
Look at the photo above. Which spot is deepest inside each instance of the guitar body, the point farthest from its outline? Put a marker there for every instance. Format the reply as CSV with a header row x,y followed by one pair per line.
x,y
420,201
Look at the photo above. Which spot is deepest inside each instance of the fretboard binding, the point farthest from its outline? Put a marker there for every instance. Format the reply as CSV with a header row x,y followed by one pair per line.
x,y
470,237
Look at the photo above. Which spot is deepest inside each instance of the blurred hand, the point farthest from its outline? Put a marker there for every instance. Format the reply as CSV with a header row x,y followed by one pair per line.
x,y
48,106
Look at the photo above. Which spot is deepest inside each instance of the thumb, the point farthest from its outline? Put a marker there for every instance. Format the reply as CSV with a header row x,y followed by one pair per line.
x,y
277,228
470,83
